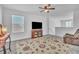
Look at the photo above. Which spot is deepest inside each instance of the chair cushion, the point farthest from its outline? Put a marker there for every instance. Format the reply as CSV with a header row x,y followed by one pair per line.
x,y
3,40
76,33
75,42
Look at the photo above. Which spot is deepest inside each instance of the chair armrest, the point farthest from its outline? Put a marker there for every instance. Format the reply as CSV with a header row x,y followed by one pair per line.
x,y
69,34
3,40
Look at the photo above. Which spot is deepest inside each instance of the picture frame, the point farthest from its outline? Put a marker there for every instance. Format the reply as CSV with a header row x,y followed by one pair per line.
x,y
17,23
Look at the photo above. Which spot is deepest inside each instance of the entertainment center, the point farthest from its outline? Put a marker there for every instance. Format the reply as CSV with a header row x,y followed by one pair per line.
x,y
36,29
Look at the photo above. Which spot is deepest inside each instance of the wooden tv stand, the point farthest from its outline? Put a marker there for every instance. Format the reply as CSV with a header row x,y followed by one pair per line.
x,y
36,33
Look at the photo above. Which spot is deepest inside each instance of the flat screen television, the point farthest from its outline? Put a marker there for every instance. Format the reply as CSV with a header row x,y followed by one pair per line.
x,y
36,25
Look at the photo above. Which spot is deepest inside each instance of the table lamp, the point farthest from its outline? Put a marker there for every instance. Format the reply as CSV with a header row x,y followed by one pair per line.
x,y
3,31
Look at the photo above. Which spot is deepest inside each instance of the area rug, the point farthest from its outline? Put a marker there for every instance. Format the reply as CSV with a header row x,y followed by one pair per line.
x,y
43,45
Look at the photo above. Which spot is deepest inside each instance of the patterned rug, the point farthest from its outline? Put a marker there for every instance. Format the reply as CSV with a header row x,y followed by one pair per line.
x,y
42,45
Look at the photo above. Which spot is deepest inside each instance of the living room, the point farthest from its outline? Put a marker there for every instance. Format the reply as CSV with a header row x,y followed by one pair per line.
x,y
55,23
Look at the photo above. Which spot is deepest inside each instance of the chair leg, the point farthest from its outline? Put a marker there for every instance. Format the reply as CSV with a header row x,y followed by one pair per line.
x,y
9,48
9,43
4,49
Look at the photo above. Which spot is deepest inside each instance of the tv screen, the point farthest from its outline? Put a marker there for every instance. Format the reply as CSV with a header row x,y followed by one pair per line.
x,y
36,25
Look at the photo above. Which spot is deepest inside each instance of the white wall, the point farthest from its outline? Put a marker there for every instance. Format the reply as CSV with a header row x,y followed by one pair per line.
x,y
76,19
0,14
61,31
55,24
28,17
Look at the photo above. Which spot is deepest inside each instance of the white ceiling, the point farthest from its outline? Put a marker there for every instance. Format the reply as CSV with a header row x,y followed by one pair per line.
x,y
23,7
34,7
59,8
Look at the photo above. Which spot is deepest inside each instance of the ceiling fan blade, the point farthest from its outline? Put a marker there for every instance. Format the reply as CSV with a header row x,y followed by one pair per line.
x,y
51,8
40,7
41,10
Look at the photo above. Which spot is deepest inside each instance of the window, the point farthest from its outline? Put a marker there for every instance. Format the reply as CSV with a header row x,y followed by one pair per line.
x,y
17,23
66,23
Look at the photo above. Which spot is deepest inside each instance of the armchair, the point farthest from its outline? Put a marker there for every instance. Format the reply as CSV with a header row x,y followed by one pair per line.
x,y
4,35
72,38
3,42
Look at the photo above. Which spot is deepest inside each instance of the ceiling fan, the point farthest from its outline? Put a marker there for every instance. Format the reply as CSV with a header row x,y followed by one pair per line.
x,y
47,8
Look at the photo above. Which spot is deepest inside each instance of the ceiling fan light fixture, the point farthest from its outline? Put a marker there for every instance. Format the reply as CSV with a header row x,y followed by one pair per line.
x,y
47,8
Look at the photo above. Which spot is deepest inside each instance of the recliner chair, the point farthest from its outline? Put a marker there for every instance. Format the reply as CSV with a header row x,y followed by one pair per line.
x,y
72,38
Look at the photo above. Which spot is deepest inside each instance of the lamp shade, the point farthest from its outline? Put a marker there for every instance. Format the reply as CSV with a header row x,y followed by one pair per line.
x,y
4,30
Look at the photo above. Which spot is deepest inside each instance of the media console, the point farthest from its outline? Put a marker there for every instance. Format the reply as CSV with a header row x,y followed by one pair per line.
x,y
36,29
36,33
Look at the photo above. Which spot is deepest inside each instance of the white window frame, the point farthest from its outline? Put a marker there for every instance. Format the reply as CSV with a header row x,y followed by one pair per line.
x,y
66,23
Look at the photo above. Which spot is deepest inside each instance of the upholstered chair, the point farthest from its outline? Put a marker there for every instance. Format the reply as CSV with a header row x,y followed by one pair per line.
x,y
72,38
4,35
3,42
